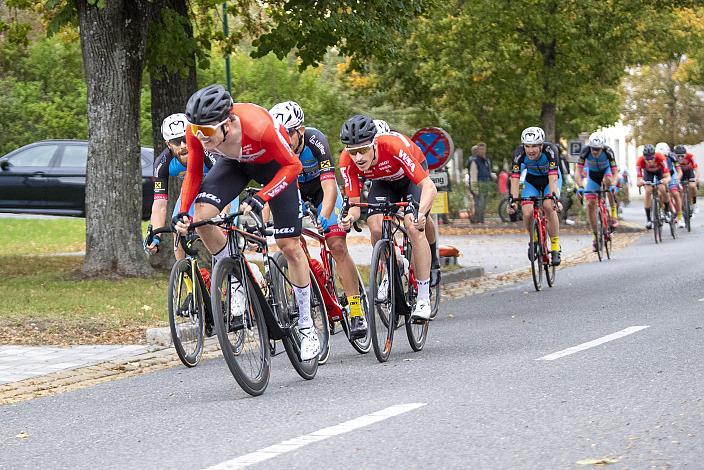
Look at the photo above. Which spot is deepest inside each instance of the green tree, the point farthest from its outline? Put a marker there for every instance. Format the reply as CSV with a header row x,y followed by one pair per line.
x,y
660,107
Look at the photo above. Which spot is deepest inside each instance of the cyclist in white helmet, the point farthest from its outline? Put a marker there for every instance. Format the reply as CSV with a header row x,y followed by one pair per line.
x,y
382,127
598,163
540,160
318,185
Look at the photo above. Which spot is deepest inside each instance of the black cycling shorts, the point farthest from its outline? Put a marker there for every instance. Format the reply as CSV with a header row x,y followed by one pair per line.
x,y
312,191
394,191
228,178
688,175
650,175
596,176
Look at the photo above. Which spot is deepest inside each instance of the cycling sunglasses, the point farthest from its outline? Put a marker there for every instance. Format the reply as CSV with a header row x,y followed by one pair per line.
x,y
359,150
206,130
177,140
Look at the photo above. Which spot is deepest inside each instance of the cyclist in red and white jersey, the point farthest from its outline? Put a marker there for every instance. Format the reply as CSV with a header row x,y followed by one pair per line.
x,y
253,147
651,165
690,170
395,165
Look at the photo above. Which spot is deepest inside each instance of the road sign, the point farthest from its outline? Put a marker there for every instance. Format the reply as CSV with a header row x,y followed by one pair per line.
x,y
441,179
575,148
436,145
440,204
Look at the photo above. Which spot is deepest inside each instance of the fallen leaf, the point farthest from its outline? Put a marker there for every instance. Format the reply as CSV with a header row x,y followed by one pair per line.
x,y
22,435
146,308
602,461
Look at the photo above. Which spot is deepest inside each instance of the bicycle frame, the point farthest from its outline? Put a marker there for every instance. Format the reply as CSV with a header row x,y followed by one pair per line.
x,y
539,217
323,279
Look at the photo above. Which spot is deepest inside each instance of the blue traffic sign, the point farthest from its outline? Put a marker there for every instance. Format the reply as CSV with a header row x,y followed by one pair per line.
x,y
436,145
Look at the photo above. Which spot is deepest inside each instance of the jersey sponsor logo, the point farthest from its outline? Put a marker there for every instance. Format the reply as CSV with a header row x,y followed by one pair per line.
x,y
277,188
245,156
345,177
317,144
406,159
392,177
158,185
325,164
209,196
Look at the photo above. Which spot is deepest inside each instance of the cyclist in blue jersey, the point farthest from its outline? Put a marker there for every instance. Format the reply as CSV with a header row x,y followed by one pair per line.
x,y
673,164
598,163
539,159
172,162
317,184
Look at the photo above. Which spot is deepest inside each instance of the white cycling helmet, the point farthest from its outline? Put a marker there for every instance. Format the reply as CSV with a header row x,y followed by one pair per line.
x,y
174,126
662,148
288,113
597,140
382,127
532,136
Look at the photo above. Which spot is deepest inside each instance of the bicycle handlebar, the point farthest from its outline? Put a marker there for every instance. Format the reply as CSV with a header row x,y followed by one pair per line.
x,y
183,241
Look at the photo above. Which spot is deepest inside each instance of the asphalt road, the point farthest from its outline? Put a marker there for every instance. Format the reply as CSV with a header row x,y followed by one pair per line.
x,y
477,397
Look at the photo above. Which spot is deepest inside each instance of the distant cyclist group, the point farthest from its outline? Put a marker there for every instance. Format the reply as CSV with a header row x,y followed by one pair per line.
x,y
218,147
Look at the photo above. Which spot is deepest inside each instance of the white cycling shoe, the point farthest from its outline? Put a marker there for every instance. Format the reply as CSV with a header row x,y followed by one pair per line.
x,y
680,224
382,293
238,299
310,344
422,310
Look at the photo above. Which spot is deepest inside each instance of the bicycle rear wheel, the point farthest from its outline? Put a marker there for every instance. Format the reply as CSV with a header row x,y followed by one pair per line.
x,y
686,208
382,320
363,345
288,317
243,336
673,223
536,255
186,313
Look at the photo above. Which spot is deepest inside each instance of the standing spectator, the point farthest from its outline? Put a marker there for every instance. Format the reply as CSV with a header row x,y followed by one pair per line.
x,y
481,180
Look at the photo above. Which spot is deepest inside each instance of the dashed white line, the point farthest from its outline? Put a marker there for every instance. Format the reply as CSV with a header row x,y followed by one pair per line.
x,y
591,344
701,300
297,442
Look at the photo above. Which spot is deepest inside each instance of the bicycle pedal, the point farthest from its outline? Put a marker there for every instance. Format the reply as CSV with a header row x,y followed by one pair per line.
x,y
419,321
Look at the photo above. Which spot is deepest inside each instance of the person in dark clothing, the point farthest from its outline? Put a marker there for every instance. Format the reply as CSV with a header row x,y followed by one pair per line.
x,y
481,180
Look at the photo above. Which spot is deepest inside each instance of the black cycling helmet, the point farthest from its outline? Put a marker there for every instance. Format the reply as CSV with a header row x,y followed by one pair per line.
x,y
209,105
680,150
358,129
648,150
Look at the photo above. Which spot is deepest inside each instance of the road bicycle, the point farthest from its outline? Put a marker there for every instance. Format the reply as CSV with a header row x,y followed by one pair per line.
x,y
392,285
188,300
325,272
687,204
538,252
655,209
247,336
604,225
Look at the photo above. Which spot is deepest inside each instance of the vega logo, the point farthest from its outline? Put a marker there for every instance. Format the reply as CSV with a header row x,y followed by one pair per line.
x,y
406,160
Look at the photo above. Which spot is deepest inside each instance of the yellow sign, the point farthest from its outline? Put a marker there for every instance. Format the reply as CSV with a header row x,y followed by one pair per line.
x,y
440,204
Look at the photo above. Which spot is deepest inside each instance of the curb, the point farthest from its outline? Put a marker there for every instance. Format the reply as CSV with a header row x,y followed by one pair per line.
x,y
462,274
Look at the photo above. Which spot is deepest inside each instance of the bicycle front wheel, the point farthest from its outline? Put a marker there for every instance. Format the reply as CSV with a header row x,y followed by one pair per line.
x,y
503,210
535,253
382,320
240,326
673,224
686,208
186,313
363,345
599,234
288,316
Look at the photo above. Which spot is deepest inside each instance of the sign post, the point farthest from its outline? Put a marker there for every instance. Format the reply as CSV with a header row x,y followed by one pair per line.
x,y
437,146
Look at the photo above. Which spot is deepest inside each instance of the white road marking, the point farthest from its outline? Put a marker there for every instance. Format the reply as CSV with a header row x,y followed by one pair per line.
x,y
297,442
701,300
591,344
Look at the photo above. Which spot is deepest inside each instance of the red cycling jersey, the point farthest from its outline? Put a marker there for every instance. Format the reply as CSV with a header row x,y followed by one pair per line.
x,y
263,141
659,163
688,162
397,158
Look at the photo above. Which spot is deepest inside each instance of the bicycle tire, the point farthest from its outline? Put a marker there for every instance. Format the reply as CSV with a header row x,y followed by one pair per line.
x,y
536,256
252,330
382,323
503,210
363,345
181,271
687,208
655,210
599,234
672,222
548,267
306,369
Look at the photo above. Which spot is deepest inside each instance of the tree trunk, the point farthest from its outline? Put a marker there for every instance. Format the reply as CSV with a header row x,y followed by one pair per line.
x,y
113,39
170,92
548,118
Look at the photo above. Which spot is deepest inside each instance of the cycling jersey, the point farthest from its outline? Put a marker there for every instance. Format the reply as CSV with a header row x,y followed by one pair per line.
x,y
602,162
398,158
657,164
263,142
166,164
316,157
688,164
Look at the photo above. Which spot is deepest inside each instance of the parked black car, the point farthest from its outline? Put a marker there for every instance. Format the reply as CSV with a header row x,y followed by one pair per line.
x,y
49,177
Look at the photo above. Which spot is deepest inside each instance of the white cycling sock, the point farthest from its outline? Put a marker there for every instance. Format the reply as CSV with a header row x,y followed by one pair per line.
x,y
423,289
302,296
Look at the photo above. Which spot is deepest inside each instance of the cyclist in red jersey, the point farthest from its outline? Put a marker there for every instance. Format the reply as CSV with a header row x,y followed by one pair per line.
x,y
394,164
253,147
651,165
690,170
